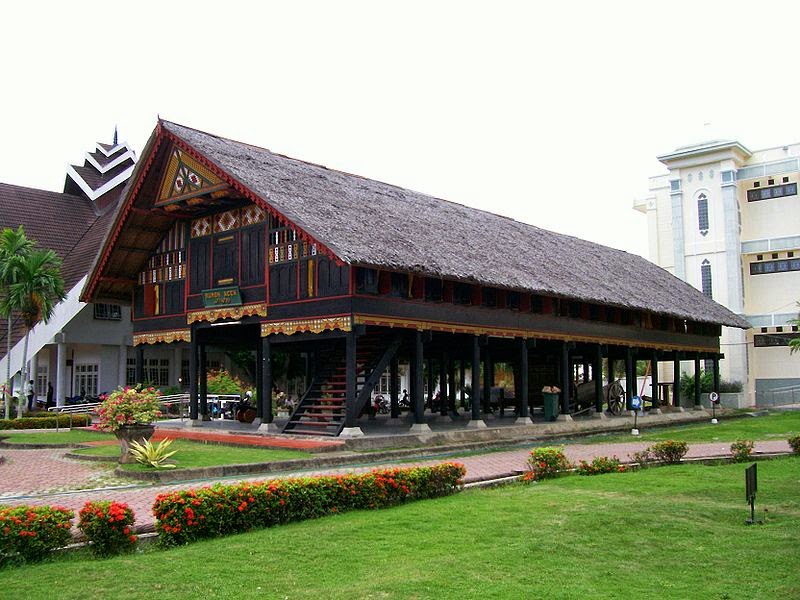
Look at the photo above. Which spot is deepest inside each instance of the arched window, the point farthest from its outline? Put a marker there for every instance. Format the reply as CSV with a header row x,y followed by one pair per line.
x,y
705,277
702,214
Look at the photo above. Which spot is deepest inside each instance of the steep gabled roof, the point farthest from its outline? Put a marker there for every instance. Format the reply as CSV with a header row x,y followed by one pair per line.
x,y
369,223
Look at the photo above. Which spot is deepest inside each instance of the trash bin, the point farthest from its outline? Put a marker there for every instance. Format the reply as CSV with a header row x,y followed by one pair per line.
x,y
550,406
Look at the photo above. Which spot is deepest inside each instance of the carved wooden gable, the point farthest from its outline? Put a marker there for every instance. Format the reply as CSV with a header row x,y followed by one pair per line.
x,y
185,178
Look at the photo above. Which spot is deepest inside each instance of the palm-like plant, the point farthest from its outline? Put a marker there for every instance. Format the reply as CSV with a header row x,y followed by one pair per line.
x,y
34,295
14,246
794,343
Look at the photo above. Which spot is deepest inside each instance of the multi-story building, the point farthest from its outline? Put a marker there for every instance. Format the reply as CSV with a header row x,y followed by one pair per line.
x,y
83,348
727,220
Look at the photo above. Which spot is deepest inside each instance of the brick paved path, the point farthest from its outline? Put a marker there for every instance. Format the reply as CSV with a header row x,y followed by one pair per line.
x,y
28,471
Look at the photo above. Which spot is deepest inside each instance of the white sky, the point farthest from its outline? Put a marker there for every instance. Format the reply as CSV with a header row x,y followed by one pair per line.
x,y
549,112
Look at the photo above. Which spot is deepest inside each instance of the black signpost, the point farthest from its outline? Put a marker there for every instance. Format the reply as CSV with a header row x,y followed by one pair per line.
x,y
751,486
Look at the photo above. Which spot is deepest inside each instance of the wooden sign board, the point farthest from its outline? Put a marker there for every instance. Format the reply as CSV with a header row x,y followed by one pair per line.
x,y
223,296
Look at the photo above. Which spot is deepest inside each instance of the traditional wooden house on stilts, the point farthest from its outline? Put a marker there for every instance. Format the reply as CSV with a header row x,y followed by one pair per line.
x,y
219,242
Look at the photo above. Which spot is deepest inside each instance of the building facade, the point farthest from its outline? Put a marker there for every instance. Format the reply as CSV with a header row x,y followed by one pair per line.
x,y
83,349
727,220
221,244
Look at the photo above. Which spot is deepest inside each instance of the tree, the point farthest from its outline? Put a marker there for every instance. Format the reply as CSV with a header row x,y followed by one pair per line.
x,y
14,246
34,295
794,343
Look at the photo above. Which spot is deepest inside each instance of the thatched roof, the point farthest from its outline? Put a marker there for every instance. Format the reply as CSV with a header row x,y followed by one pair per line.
x,y
369,223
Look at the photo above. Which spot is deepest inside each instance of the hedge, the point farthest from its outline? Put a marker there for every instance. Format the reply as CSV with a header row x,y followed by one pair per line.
x,y
81,420
29,533
188,515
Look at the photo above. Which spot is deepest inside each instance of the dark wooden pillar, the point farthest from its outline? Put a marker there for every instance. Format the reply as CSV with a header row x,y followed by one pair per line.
x,y
265,391
202,348
610,375
475,397
565,378
676,378
630,377
654,377
351,394
259,381
193,399
139,364
443,384
522,391
715,371
451,380
697,381
462,373
394,387
488,376
416,385
597,376
431,381
585,370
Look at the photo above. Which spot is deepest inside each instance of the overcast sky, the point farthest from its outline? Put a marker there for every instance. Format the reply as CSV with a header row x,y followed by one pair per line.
x,y
550,113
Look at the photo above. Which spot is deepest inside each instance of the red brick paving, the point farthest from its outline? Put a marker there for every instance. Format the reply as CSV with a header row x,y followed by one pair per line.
x,y
28,471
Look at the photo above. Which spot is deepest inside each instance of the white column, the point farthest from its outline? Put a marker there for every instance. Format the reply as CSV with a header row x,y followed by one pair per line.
x,y
175,364
33,373
122,365
61,374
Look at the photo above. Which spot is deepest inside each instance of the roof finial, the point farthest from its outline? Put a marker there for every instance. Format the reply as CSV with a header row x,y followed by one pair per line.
x,y
115,135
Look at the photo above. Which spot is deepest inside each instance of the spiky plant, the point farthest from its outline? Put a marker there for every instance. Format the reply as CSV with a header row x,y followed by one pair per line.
x,y
155,455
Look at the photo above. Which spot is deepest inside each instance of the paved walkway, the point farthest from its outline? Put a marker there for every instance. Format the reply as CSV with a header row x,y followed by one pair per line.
x,y
32,472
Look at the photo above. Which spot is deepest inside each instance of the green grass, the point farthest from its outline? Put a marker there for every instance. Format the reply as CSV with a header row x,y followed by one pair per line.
x,y
74,436
197,454
671,532
775,426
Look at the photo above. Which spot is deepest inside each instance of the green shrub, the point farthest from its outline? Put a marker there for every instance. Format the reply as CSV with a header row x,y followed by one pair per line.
x,y
108,526
222,382
669,451
643,458
600,465
707,385
29,533
741,450
794,443
545,463
188,515
82,420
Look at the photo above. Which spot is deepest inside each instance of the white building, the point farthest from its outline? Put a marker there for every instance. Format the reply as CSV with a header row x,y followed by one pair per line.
x,y
727,220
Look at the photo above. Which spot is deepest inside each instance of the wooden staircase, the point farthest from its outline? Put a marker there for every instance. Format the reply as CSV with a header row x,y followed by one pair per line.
x,y
322,409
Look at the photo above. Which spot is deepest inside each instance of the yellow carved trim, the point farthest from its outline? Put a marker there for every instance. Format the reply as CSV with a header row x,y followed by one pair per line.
x,y
306,325
380,321
227,312
163,337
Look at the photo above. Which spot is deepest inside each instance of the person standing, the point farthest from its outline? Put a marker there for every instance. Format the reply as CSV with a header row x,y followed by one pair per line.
x,y
49,402
31,395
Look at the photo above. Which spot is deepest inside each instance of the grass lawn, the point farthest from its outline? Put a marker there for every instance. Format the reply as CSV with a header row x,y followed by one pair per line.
x,y
52,437
197,454
671,532
779,425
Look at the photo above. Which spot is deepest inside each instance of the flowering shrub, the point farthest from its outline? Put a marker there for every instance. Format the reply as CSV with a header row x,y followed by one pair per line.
x,y
644,458
129,406
669,451
188,515
48,422
794,443
545,462
29,533
741,450
108,526
599,465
